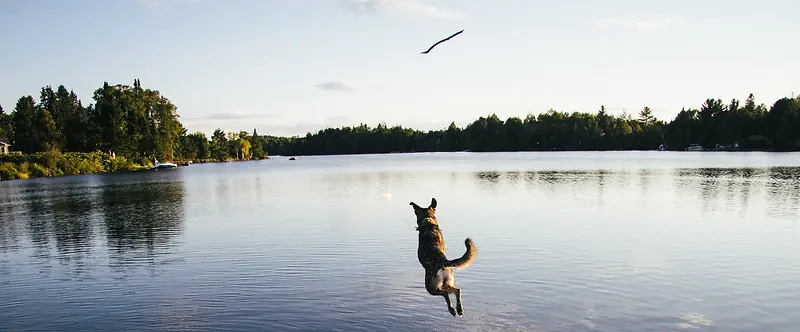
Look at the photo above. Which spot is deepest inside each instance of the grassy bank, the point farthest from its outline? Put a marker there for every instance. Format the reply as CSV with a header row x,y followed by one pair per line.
x,y
48,164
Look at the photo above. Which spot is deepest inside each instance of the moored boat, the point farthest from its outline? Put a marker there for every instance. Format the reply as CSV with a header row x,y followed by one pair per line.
x,y
158,165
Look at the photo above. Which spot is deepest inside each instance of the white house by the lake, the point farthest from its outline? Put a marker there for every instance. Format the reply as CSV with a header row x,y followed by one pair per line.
x,y
5,146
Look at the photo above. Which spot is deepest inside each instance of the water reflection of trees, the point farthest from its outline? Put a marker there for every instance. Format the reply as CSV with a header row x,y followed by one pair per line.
x,y
601,185
488,177
781,186
783,191
547,180
51,215
488,180
555,179
72,211
10,230
715,188
63,219
141,216
39,225
707,182
644,176
513,177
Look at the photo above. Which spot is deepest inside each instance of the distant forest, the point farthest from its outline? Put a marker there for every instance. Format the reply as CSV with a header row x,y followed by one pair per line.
x,y
141,124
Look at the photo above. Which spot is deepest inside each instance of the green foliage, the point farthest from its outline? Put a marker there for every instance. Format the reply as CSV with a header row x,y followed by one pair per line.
x,y
6,126
38,171
219,146
782,124
195,146
755,142
119,164
54,163
48,136
136,122
244,148
646,116
257,148
24,121
10,171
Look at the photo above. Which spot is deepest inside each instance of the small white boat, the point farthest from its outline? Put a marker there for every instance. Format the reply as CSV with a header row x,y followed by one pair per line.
x,y
694,147
158,165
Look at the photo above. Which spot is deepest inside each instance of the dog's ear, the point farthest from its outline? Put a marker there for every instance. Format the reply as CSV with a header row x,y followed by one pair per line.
x,y
416,207
433,204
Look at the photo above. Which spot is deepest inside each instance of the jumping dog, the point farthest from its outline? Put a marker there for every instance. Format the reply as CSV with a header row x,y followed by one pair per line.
x,y
439,277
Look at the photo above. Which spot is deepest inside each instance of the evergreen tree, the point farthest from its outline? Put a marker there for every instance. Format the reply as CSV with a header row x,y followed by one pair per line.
x,y
24,120
257,146
6,125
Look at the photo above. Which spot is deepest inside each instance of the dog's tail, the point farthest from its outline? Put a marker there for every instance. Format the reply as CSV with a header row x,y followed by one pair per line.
x,y
468,257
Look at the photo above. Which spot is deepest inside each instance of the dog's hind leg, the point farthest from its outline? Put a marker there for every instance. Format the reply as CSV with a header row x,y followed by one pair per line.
x,y
449,287
433,289
452,290
459,307
449,304
436,284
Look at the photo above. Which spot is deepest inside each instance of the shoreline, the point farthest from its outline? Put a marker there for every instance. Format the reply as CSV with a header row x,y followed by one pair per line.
x,y
33,166
15,166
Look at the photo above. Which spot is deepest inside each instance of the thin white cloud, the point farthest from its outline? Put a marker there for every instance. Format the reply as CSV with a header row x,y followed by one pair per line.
x,y
408,8
663,23
336,86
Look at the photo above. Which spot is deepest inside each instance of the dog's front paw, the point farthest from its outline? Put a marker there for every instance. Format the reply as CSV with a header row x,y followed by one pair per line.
x,y
460,310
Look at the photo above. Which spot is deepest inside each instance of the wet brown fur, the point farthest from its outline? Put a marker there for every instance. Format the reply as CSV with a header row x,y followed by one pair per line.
x,y
439,277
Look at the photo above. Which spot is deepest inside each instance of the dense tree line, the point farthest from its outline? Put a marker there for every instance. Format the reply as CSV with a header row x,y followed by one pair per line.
x,y
141,125
731,125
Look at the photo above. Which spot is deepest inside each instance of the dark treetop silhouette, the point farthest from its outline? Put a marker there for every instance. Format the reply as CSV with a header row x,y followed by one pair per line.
x,y
442,41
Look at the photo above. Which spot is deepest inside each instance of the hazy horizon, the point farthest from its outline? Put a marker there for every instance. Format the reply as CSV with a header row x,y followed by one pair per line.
x,y
287,67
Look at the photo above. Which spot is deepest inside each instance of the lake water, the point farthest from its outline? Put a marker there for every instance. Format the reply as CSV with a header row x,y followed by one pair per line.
x,y
573,241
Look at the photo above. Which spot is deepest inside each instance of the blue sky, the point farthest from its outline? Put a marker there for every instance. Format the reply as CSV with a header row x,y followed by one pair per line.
x,y
287,67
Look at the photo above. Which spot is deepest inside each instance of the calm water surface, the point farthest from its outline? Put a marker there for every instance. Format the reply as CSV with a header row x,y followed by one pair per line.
x,y
628,241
